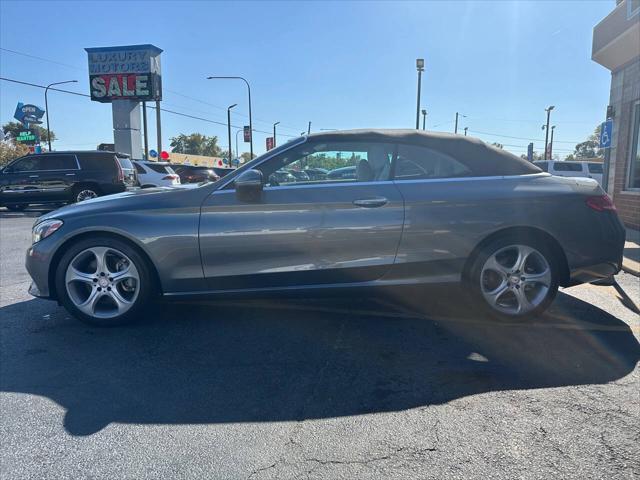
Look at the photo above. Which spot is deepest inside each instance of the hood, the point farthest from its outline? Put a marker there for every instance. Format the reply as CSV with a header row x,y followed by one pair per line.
x,y
142,199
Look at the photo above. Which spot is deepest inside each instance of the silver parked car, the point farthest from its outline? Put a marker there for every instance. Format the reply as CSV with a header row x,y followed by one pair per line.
x,y
423,208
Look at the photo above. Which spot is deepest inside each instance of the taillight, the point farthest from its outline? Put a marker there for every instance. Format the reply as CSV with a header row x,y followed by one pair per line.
x,y
601,203
120,172
170,177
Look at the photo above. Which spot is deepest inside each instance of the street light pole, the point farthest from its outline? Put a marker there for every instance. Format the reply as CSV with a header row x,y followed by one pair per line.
x,y
250,118
420,68
424,118
455,130
46,106
465,131
229,128
274,134
309,129
546,134
551,144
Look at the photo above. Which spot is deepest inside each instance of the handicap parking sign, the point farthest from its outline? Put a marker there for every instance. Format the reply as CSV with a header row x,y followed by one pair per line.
x,y
606,130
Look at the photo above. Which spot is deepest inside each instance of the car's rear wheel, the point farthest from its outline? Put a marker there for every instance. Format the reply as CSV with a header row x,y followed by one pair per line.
x,y
515,278
85,192
103,281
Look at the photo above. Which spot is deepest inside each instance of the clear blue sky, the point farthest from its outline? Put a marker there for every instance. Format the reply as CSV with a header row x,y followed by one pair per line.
x,y
338,64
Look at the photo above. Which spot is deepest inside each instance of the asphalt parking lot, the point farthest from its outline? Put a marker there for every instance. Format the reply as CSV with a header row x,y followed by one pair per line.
x,y
412,386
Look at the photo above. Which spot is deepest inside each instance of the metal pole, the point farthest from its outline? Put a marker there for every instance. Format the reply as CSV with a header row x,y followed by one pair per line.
x,y
274,134
546,133
418,101
465,131
551,144
158,127
229,128
309,129
250,117
237,149
424,119
145,131
46,106
456,128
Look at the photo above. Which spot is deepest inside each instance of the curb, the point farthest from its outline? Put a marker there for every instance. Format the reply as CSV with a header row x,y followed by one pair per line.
x,y
630,270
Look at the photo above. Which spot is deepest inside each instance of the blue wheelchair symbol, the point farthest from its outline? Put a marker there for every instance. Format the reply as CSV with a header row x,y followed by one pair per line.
x,y
606,130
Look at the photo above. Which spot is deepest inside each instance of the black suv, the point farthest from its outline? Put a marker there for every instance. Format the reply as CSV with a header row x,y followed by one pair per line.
x,y
62,177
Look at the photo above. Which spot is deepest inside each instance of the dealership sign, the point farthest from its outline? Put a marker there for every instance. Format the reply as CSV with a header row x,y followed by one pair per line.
x,y
125,73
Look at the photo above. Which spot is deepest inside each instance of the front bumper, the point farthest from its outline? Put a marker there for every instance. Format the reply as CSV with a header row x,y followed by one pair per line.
x,y
37,262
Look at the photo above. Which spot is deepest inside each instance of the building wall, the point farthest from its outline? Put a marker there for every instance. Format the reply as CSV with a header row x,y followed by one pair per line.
x,y
625,92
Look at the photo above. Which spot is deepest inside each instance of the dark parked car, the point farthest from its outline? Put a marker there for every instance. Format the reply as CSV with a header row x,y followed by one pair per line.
x,y
316,173
62,177
195,173
423,209
222,171
281,176
300,176
344,173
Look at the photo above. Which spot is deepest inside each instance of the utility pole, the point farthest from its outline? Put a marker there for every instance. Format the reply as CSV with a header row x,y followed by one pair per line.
x,y
144,130
456,127
546,134
309,129
424,118
420,68
274,134
551,144
229,128
46,106
465,131
158,127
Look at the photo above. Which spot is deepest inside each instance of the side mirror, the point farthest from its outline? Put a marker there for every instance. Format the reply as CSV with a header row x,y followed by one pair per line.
x,y
249,186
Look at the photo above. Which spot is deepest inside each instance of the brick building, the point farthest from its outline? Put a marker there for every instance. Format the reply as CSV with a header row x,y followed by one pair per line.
x,y
616,46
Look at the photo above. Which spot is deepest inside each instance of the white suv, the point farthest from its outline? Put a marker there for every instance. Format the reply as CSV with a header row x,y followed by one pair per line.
x,y
155,174
572,169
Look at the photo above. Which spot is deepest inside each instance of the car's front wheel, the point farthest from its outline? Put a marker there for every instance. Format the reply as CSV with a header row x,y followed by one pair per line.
x,y
514,278
104,281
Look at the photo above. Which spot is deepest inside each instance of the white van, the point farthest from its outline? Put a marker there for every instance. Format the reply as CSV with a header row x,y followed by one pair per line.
x,y
572,169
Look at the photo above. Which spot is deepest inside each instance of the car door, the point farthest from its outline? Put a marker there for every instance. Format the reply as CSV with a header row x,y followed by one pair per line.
x,y
58,176
304,232
21,181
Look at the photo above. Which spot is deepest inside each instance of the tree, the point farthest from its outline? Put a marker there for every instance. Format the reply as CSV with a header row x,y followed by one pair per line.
x,y
13,129
590,148
246,156
10,151
196,144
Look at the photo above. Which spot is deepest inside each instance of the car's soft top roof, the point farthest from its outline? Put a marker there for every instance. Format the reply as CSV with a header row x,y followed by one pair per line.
x,y
480,158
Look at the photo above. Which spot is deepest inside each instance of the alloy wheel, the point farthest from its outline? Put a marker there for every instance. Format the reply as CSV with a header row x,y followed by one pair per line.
x,y
85,195
516,279
102,282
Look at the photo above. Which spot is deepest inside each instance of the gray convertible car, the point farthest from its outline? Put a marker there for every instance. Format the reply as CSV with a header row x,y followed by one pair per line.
x,y
422,209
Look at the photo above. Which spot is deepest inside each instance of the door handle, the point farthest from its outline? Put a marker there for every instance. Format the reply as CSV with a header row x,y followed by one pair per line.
x,y
34,176
70,174
371,202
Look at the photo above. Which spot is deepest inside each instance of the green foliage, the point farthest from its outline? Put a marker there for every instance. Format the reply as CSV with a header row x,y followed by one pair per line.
x,y
246,156
589,148
329,161
10,151
14,129
196,144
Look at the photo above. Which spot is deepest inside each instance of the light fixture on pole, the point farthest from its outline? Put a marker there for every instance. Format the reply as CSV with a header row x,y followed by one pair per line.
x,y
420,68
46,106
546,135
250,118
274,134
424,118
229,128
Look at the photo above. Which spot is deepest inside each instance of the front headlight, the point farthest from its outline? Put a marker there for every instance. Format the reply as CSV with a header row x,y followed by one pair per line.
x,y
44,229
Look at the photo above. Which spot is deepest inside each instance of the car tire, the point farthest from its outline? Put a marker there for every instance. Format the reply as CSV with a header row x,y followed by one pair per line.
x,y
16,208
85,192
514,278
104,281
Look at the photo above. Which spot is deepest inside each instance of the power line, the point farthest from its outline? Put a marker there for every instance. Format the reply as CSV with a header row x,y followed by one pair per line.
x,y
520,138
148,106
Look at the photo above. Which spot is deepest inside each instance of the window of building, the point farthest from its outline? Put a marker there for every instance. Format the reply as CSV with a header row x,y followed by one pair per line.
x,y
633,8
417,163
634,160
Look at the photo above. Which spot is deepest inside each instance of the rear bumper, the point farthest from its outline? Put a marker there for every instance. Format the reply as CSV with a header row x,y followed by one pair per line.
x,y
593,272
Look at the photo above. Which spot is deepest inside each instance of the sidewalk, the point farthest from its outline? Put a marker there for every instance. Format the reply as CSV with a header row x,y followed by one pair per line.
x,y
631,260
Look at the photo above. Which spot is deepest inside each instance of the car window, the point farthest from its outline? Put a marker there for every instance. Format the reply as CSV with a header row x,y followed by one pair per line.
x,y
595,167
28,164
59,162
567,167
97,162
125,162
159,168
343,161
139,168
416,163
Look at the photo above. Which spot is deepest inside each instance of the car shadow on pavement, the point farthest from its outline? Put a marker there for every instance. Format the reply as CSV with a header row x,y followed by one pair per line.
x,y
266,361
